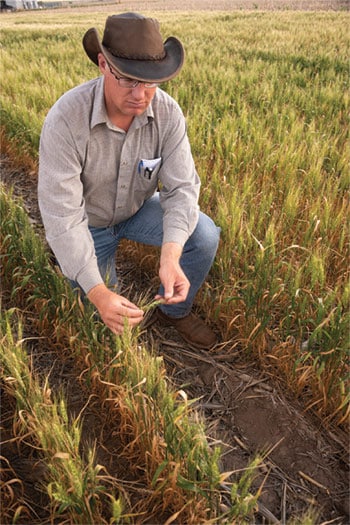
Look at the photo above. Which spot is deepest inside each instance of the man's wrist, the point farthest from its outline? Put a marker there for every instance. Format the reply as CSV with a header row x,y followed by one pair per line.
x,y
170,251
97,293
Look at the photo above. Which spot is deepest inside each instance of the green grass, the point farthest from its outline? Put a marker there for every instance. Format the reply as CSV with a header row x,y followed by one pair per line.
x,y
266,98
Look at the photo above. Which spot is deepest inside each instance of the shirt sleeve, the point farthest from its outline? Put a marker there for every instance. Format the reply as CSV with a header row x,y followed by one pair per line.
x,y
61,202
180,183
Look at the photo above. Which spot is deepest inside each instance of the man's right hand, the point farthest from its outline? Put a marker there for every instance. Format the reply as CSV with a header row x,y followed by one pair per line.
x,y
114,309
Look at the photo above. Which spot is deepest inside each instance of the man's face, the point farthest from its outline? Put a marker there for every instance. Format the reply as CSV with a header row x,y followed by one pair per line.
x,y
125,101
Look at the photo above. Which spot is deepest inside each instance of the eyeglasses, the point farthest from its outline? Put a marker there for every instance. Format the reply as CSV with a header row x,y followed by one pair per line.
x,y
130,83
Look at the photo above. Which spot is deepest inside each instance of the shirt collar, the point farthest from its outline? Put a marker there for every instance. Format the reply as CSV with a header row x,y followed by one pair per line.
x,y
143,119
98,114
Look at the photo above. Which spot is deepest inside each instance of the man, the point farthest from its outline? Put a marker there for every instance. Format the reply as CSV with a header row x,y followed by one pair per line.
x,y
115,162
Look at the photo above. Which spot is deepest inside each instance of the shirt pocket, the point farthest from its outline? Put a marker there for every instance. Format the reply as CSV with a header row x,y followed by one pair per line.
x,y
146,181
148,168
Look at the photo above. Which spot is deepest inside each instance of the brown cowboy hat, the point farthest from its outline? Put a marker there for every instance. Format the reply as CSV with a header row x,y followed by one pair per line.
x,y
133,46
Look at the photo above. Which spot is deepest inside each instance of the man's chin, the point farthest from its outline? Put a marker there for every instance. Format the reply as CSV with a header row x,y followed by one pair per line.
x,y
135,110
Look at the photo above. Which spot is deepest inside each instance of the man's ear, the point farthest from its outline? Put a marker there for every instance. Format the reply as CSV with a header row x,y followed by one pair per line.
x,y
102,63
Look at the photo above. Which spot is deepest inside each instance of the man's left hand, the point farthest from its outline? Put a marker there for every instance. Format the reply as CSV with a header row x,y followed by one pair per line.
x,y
175,283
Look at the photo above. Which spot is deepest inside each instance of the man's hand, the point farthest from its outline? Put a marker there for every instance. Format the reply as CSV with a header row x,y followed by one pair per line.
x,y
176,285
114,309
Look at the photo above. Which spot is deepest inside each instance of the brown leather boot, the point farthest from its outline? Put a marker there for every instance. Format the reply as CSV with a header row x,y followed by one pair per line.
x,y
191,328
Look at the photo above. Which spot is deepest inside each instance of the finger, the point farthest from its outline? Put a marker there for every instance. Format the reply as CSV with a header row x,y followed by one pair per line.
x,y
115,327
168,293
176,299
130,305
159,297
131,312
119,326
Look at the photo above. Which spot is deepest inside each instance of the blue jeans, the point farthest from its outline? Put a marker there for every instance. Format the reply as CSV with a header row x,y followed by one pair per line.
x,y
146,227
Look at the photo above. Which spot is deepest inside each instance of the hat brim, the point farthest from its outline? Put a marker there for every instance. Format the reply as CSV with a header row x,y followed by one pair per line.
x,y
144,70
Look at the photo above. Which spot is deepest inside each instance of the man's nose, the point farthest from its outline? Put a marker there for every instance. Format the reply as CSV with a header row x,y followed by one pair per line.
x,y
139,90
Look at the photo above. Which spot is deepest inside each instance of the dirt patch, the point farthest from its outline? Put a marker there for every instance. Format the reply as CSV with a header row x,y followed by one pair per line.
x,y
305,464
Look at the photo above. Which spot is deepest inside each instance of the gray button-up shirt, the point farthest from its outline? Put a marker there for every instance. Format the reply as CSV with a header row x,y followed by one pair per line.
x,y
93,173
